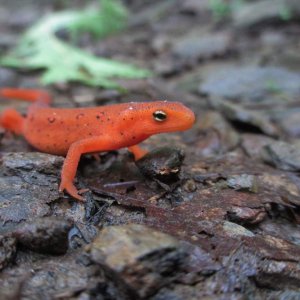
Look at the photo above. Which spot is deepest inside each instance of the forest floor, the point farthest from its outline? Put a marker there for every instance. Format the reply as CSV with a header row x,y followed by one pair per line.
x,y
221,224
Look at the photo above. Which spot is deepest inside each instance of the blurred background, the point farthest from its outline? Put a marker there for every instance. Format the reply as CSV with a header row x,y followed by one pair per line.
x,y
234,208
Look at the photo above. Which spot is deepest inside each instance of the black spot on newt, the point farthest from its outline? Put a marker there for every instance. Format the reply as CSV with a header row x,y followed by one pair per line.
x,y
51,119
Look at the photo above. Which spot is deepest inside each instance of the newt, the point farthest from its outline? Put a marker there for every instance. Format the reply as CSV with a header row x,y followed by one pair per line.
x,y
72,132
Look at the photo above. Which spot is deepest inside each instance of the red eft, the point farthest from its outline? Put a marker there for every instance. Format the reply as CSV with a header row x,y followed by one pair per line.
x,y
72,132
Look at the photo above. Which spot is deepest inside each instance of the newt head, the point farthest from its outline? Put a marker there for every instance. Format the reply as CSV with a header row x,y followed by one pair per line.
x,y
162,116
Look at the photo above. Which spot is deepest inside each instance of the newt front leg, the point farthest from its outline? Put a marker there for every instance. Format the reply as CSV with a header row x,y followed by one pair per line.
x,y
94,144
73,156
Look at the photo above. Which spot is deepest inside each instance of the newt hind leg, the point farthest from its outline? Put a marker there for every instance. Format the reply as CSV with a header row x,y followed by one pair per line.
x,y
11,120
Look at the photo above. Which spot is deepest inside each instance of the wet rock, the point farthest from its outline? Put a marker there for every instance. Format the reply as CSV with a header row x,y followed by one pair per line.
x,y
107,95
152,13
260,12
7,77
253,144
162,164
47,277
7,250
283,155
160,43
23,18
166,66
215,135
235,230
270,247
252,84
189,186
282,230
28,182
279,182
279,274
245,120
199,263
201,46
289,57
45,235
246,215
282,189
243,182
40,162
289,122
273,39
284,295
2,134
139,259
194,6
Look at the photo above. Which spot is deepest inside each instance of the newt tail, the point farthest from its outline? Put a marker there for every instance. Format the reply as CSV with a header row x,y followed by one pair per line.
x,y
28,95
13,120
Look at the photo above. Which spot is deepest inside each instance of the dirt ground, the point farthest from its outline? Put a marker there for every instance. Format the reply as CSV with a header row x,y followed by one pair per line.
x,y
211,213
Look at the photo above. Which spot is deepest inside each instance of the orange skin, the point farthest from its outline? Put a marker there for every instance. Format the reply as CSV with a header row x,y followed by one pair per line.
x,y
72,132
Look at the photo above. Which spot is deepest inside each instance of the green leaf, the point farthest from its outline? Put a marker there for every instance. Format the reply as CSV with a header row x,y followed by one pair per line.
x,y
39,48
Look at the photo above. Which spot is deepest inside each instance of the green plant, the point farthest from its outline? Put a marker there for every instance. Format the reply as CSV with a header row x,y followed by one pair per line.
x,y
222,9
39,48
272,86
285,13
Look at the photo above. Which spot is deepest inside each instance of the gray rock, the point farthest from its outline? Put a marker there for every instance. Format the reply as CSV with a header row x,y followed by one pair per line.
x,y
217,135
162,164
139,259
289,122
283,155
246,215
286,275
244,117
40,162
265,11
252,144
44,235
195,6
202,46
7,250
28,182
242,182
234,230
252,83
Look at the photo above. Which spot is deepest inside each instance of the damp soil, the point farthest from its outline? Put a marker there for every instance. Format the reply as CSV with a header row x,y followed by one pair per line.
x,y
210,213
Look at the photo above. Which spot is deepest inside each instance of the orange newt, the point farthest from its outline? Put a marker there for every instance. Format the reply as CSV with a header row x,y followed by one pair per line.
x,y
72,132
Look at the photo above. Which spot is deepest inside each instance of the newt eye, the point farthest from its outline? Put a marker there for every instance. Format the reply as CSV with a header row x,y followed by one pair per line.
x,y
159,116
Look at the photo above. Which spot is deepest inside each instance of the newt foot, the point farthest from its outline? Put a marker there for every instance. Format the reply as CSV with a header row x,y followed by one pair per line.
x,y
71,189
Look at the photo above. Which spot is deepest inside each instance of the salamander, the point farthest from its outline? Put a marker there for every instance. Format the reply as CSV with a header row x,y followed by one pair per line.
x,y
72,132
